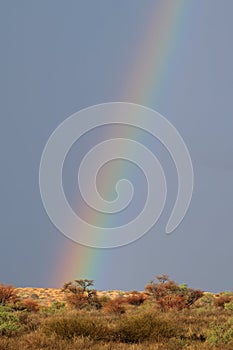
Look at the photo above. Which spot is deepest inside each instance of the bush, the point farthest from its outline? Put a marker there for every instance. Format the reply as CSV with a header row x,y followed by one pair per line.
x,y
9,323
193,295
221,334
206,301
115,306
77,301
29,305
76,326
136,299
229,306
222,300
175,302
227,293
142,327
104,300
56,307
8,294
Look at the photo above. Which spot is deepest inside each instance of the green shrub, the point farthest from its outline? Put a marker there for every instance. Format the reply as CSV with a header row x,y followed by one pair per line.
x,y
56,307
5,309
206,301
9,323
229,306
221,333
227,293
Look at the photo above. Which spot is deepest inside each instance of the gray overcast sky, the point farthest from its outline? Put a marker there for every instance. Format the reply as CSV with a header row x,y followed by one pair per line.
x,y
58,57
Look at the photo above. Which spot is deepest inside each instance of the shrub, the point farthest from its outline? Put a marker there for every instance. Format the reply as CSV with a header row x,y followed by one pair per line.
x,y
229,306
4,308
9,323
115,306
142,327
8,294
206,301
76,326
136,299
77,301
54,308
222,300
30,321
104,299
221,333
227,293
29,305
175,302
193,295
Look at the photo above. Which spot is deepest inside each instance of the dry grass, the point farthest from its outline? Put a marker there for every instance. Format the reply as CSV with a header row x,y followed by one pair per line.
x,y
44,296
47,296
41,319
140,328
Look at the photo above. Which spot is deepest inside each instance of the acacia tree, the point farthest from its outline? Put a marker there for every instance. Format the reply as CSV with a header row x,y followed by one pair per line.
x,y
79,295
163,287
169,295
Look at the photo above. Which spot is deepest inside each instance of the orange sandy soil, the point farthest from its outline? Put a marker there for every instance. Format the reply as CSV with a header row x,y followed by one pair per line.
x,y
46,296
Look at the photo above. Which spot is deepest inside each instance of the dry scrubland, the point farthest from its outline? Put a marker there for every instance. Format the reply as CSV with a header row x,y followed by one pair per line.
x,y
165,316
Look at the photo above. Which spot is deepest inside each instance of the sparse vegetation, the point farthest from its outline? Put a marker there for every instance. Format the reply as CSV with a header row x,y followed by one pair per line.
x,y
166,316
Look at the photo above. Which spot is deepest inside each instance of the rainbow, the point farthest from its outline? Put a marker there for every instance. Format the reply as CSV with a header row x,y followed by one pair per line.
x,y
151,73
